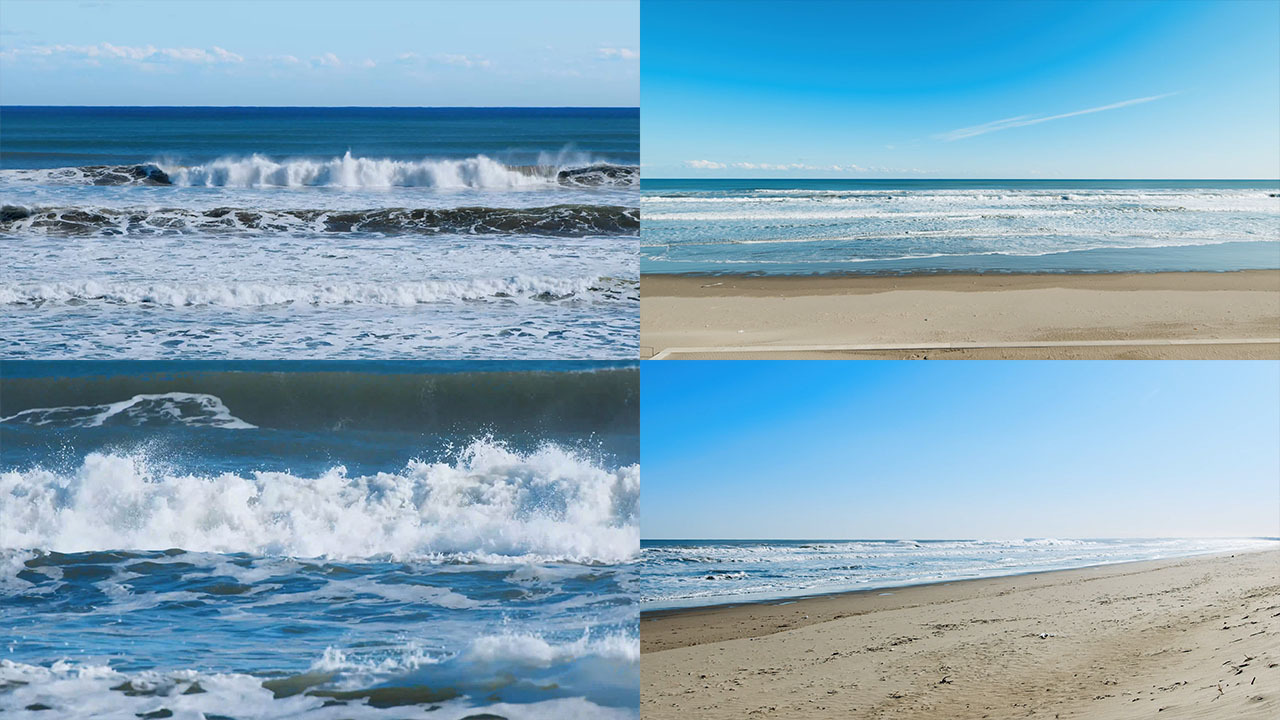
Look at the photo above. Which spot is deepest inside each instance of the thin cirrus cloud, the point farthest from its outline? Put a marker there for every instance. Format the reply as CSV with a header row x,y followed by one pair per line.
x,y
1024,120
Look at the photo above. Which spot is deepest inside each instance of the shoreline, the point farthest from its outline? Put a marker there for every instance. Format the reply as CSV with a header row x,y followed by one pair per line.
x,y
1182,315
1188,637
839,283
866,594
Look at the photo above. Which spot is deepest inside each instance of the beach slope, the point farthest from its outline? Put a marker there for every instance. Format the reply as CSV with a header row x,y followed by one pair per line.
x,y
1186,315
1185,638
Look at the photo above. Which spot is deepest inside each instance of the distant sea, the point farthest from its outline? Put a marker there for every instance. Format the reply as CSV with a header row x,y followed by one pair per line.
x,y
318,540
787,227
691,573
153,232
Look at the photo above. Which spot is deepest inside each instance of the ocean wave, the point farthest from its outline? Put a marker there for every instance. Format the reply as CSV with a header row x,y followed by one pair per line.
x,y
492,505
191,409
478,172
71,689
675,575
244,294
554,221
600,401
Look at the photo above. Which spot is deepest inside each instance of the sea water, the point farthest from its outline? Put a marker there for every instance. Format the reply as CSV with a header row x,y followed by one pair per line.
x,y
318,232
688,573
316,540
922,226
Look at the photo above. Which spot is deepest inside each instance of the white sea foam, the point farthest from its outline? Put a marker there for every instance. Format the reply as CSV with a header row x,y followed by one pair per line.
x,y
88,690
347,171
526,649
703,573
491,505
257,294
195,409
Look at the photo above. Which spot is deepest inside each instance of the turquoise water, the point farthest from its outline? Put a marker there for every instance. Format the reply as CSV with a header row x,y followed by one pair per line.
x,y
921,226
319,540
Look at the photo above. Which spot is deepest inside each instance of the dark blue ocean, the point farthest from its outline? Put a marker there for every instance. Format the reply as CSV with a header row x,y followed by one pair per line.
x,y
311,539
872,226
319,232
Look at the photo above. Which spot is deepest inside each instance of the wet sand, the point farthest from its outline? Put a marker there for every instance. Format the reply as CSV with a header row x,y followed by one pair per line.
x,y
1187,638
1191,315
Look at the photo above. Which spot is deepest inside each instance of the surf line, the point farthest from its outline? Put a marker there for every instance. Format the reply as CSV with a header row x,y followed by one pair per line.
x,y
668,352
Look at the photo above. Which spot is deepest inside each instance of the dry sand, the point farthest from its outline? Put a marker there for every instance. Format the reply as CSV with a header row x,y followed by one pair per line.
x,y
1188,638
1136,314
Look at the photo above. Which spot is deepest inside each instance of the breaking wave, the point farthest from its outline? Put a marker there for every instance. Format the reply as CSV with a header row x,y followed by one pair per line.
x,y
246,294
479,172
491,504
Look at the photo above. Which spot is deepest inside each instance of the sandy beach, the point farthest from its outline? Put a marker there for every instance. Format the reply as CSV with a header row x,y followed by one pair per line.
x,y
1185,638
1188,315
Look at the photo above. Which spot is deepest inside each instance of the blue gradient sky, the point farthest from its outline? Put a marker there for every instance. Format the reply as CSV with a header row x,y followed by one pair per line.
x,y
830,449
230,52
963,89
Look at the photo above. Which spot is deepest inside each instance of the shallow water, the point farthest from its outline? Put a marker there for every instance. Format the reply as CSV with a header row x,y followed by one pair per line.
x,y
872,226
690,573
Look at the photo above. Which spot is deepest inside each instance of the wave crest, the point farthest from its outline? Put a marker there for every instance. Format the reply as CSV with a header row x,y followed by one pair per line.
x,y
348,171
492,504
193,409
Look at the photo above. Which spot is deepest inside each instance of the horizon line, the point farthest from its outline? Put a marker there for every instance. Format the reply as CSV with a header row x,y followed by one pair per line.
x,y
972,539
920,179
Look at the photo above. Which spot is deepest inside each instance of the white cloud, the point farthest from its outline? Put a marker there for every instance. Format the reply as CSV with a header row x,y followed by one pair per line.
x,y
407,57
328,60
609,53
801,167
226,55
368,63
467,61
94,54
1024,120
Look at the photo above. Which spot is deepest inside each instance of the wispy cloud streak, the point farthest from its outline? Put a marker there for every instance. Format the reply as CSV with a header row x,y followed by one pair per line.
x,y
1024,120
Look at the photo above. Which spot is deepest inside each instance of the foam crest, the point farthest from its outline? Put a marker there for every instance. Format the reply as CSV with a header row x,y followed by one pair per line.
x,y
491,505
525,649
193,409
86,690
249,294
349,171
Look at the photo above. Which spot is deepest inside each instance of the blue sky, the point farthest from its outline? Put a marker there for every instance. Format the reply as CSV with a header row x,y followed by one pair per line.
x,y
320,53
963,89
830,449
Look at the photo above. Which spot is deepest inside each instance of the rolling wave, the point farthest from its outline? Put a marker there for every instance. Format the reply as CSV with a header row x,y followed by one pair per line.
x,y
554,221
491,505
479,172
596,401
193,409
